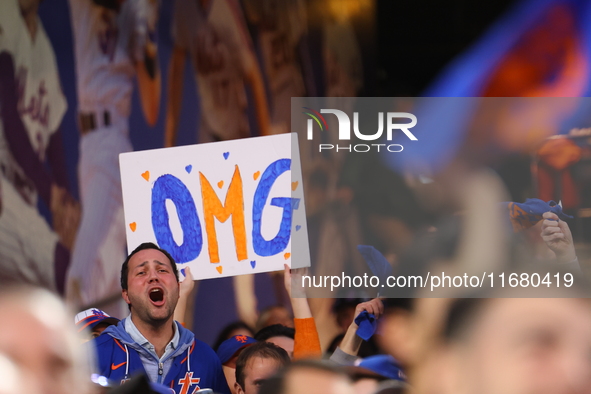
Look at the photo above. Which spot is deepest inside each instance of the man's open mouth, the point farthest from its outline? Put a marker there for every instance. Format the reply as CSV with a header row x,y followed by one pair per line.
x,y
157,295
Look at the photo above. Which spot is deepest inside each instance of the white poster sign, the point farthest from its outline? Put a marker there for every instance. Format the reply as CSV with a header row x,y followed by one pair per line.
x,y
224,208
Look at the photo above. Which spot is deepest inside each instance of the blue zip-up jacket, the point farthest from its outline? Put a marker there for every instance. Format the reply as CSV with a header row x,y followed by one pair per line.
x,y
194,366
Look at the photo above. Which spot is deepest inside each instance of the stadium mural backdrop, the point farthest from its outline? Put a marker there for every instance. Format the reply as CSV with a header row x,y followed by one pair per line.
x,y
82,81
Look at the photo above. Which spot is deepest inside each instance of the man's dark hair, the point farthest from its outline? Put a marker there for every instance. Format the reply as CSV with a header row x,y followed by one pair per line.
x,y
260,350
275,330
144,246
276,383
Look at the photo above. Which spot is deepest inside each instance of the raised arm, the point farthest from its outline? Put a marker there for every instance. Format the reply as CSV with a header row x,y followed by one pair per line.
x,y
144,52
251,69
187,286
352,342
254,78
175,94
306,341
149,83
246,301
558,237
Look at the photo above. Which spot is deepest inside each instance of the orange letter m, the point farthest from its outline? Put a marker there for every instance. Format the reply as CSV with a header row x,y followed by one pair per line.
x,y
233,206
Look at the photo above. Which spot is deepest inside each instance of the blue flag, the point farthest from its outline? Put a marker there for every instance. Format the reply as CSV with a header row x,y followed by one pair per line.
x,y
540,48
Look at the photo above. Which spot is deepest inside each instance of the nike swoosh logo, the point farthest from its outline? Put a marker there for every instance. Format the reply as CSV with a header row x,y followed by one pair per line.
x,y
114,367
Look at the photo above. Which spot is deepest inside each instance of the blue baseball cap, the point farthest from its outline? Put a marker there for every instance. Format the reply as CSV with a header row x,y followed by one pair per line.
x,y
381,365
230,346
91,317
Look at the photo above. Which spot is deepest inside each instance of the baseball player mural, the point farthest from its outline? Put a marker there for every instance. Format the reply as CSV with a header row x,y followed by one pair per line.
x,y
213,34
114,40
32,165
281,27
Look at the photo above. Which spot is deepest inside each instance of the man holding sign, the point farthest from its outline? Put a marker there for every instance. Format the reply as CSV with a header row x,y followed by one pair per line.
x,y
149,341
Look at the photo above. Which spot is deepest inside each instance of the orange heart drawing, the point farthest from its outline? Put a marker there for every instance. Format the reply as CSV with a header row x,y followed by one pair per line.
x,y
146,175
133,226
219,269
220,184
256,175
294,185
287,255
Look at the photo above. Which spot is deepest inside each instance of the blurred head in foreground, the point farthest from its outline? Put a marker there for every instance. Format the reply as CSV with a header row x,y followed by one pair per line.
x,y
39,349
368,373
308,377
517,346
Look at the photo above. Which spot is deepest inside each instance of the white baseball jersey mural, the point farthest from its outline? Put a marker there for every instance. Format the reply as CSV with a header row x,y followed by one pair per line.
x,y
32,106
111,44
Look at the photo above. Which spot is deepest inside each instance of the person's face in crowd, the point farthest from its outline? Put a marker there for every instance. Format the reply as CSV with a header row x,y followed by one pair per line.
x,y
98,329
95,332
153,289
523,346
257,370
38,348
314,381
283,342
